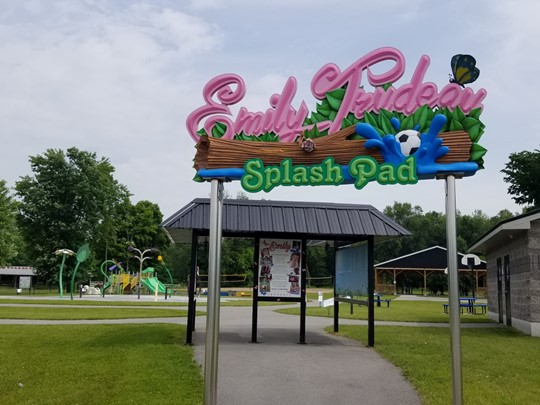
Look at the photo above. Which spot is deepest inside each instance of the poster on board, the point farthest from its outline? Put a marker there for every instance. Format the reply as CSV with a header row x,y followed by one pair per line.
x,y
25,282
280,263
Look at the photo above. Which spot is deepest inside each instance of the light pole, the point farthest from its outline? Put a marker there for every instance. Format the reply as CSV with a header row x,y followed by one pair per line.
x,y
140,256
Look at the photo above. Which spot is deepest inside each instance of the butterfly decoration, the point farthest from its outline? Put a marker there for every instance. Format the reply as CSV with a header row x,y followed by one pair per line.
x,y
464,69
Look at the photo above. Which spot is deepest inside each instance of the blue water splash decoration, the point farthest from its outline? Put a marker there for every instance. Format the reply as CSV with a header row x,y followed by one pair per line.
x,y
429,151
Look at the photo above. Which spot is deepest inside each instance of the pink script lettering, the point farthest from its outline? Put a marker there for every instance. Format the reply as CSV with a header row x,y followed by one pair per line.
x,y
287,122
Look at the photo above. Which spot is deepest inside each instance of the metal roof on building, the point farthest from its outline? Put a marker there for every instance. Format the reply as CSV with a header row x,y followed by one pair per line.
x,y
17,271
435,257
313,220
505,231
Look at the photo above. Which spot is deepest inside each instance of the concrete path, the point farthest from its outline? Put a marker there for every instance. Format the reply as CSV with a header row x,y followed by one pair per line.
x,y
326,370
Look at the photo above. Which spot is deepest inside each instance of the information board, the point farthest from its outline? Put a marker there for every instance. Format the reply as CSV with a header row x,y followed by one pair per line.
x,y
280,263
352,271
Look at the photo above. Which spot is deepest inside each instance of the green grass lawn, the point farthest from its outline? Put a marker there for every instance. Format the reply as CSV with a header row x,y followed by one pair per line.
x,y
98,364
499,366
29,312
226,302
405,311
96,302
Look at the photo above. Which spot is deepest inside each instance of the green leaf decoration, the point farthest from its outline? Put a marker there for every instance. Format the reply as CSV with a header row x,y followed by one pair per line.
x,y
477,152
198,178
475,133
480,163
316,117
324,108
458,114
455,125
218,130
370,120
430,114
421,116
335,97
332,115
469,122
268,137
83,253
407,123
386,126
386,86
475,113
388,114
346,123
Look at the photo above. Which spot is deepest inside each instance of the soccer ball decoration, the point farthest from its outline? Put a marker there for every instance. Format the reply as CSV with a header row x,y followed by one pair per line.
x,y
409,141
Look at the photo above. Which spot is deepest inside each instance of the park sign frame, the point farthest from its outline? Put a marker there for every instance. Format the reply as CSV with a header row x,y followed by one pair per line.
x,y
354,136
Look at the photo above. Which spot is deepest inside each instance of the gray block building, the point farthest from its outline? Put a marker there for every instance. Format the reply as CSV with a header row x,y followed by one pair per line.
x,y
512,251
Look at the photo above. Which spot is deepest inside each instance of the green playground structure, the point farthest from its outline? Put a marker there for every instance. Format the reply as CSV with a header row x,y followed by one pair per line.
x,y
119,282
151,282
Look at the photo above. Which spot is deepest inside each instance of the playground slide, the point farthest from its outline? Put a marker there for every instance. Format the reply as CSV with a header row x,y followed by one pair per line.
x,y
152,283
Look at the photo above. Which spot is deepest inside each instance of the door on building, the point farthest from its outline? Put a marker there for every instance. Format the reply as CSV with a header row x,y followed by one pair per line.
x,y
507,292
500,308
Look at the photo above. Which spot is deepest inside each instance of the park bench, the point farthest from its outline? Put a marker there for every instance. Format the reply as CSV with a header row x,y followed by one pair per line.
x,y
470,308
353,301
483,309
378,300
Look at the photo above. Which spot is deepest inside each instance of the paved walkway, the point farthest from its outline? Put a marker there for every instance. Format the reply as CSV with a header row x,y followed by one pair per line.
x,y
326,370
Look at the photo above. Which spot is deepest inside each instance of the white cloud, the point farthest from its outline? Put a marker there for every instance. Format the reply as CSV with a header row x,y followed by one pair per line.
x,y
112,81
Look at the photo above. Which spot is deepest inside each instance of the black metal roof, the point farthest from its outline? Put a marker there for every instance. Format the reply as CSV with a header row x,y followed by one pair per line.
x,y
434,257
313,220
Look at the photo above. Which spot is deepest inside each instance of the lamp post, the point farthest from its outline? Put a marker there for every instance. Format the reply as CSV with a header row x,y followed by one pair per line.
x,y
140,256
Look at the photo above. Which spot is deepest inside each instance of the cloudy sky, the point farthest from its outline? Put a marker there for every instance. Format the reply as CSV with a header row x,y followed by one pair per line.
x,y
119,78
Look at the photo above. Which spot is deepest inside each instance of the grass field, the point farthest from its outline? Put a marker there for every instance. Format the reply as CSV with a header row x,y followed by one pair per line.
x,y
500,366
59,313
225,301
96,302
97,364
405,311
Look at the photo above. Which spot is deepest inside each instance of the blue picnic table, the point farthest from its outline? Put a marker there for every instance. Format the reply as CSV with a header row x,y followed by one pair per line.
x,y
378,298
469,305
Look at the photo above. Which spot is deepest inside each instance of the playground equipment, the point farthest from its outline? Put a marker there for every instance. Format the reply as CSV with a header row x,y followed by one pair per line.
x,y
63,253
141,257
151,282
119,282
82,255
160,260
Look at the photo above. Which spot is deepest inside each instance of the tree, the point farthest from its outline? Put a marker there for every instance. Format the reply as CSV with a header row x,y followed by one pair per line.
x,y
410,218
429,229
320,264
145,231
523,173
178,260
10,241
237,257
69,197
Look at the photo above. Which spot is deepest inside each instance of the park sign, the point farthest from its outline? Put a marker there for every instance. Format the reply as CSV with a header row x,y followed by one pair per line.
x,y
366,127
